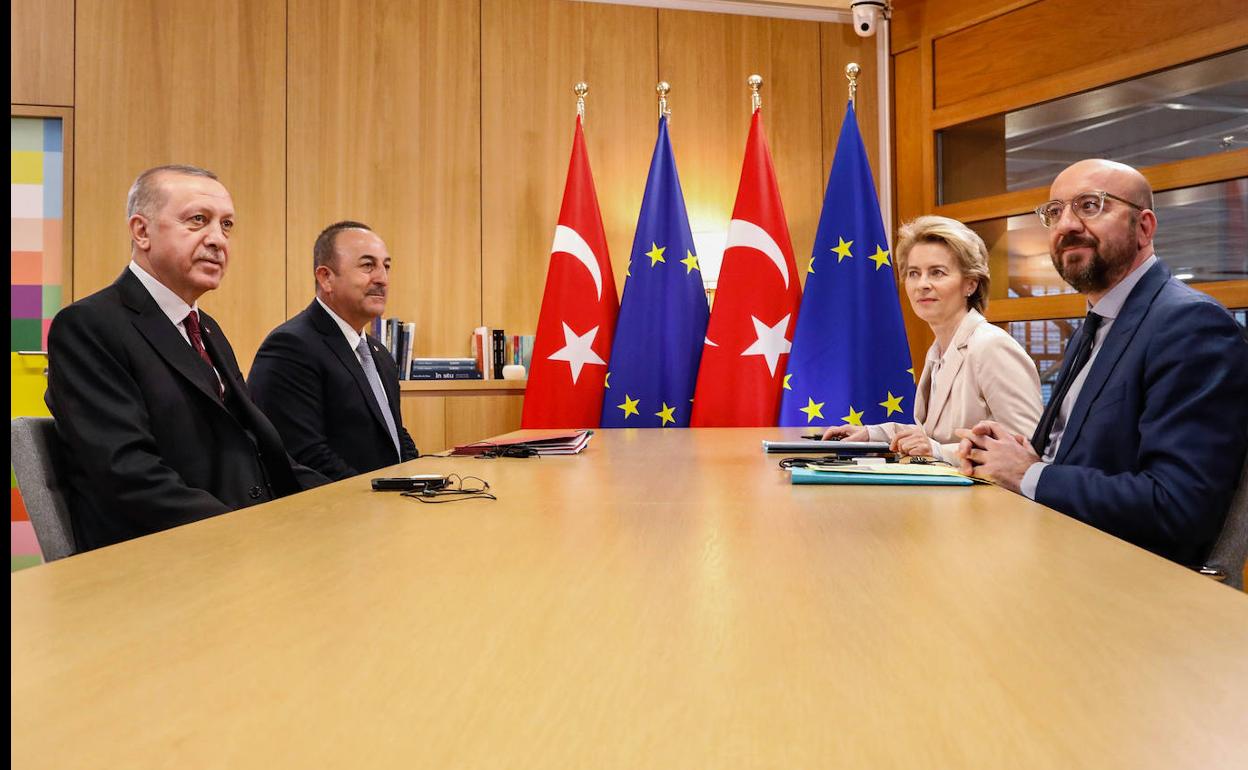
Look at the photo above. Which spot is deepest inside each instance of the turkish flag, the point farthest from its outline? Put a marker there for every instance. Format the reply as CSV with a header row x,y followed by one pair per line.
x,y
750,331
577,320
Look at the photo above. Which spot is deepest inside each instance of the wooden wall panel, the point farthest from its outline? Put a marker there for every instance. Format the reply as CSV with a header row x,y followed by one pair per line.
x,y
533,53
480,417
1039,42
161,85
384,128
707,58
908,137
932,18
839,46
41,52
424,417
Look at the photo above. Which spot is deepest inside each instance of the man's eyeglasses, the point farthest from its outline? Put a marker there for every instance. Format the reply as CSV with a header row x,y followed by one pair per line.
x,y
1084,205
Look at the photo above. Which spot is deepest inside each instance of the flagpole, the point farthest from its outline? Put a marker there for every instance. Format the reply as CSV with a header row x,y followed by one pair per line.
x,y
851,74
663,89
580,89
755,82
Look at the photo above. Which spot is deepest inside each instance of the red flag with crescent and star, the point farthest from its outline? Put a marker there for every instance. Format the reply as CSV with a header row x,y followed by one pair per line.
x,y
579,307
750,332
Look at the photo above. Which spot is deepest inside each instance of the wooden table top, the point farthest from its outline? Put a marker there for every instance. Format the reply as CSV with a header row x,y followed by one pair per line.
x,y
665,599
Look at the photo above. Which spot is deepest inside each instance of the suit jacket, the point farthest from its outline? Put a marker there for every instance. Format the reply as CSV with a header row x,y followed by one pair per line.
x,y
985,375
311,384
151,445
1155,441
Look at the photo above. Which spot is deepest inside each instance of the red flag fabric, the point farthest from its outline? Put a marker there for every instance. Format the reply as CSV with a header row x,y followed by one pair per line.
x,y
579,307
751,327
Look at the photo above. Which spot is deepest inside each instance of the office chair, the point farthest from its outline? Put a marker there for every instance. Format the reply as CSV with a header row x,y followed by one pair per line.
x,y
36,456
1226,561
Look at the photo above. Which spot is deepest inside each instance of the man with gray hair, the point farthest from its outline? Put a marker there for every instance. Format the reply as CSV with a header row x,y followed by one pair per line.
x,y
146,392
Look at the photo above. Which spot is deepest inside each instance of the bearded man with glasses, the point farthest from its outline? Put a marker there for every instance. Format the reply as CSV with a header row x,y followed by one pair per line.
x,y
1145,433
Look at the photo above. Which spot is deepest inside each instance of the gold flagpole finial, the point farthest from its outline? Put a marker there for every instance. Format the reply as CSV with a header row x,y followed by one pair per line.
x,y
580,89
663,89
755,83
851,74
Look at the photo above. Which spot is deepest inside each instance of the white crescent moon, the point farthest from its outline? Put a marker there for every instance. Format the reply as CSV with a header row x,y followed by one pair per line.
x,y
570,241
743,233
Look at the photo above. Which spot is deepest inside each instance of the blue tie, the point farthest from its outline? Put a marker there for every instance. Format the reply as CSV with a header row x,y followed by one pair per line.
x,y
379,393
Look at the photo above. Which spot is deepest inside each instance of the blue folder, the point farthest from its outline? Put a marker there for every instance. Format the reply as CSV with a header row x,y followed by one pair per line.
x,y
808,476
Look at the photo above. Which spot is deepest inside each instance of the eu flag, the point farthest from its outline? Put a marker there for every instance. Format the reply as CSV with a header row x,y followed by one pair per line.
x,y
850,363
662,321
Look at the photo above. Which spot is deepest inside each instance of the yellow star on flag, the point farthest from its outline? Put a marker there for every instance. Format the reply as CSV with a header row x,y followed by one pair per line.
x,y
812,409
628,269
842,249
853,418
910,372
665,414
787,377
811,267
892,403
656,253
690,262
880,258
629,406
606,381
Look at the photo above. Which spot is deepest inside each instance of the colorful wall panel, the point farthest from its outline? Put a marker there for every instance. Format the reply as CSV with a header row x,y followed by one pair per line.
x,y
36,195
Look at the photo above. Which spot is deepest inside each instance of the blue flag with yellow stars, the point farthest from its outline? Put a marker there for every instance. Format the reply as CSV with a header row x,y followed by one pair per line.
x,y
850,363
662,322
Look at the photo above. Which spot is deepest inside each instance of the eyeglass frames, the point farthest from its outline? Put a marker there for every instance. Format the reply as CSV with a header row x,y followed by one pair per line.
x,y
1085,205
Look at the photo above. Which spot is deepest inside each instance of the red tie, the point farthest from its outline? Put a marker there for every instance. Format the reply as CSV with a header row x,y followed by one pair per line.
x,y
197,342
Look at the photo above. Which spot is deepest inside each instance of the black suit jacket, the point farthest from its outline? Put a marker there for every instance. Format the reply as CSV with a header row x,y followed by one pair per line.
x,y
310,383
150,443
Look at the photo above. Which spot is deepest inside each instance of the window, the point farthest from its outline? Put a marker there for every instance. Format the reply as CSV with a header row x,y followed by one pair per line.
x,y
1192,111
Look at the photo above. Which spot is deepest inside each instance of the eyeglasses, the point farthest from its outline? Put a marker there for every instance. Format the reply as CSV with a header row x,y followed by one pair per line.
x,y
1084,205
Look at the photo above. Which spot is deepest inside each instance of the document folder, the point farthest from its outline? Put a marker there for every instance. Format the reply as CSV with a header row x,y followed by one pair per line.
x,y
891,475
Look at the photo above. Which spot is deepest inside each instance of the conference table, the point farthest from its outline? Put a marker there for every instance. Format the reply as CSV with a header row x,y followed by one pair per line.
x,y
665,599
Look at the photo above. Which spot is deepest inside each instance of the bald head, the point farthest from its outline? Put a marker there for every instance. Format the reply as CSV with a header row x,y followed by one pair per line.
x,y
1108,175
1094,251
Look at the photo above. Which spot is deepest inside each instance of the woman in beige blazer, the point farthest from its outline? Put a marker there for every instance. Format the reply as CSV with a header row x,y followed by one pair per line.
x,y
973,371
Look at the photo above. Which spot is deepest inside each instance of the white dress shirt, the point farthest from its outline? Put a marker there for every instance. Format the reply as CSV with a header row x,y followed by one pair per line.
x,y
1108,309
352,335
169,303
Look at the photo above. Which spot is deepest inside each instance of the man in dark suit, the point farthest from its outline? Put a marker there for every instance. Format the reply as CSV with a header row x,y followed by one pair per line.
x,y
1146,430
330,388
146,392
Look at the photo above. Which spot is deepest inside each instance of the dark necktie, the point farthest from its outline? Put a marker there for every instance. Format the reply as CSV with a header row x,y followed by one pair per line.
x,y
1040,441
197,342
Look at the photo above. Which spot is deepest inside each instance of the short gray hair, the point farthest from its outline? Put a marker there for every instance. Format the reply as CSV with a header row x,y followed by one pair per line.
x,y
963,242
146,194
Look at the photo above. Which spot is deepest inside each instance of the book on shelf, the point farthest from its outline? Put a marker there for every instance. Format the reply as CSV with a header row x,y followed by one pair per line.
x,y
442,374
454,364
499,352
481,350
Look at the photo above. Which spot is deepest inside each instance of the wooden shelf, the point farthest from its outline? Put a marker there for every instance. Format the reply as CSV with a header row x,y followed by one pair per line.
x,y
462,386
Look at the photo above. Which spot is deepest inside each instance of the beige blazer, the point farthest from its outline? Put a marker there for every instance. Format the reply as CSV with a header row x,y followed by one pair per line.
x,y
985,375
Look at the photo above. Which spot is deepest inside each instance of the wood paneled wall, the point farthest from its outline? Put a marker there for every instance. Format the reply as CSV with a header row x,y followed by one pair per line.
x,y
444,124
532,55
155,84
41,52
384,127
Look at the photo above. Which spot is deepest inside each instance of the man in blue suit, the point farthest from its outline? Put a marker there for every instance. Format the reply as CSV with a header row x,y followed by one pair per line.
x,y
1145,433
